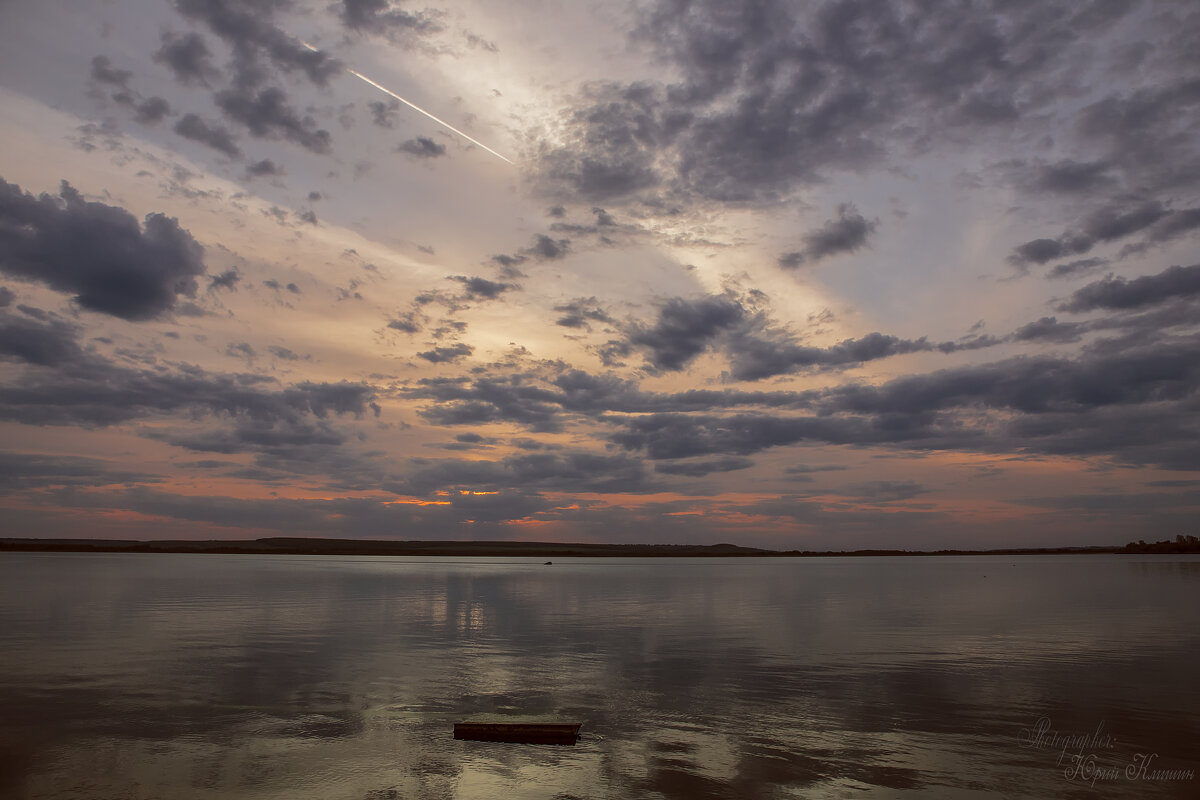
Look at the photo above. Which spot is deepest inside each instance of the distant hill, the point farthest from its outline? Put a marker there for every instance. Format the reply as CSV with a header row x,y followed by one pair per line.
x,y
366,547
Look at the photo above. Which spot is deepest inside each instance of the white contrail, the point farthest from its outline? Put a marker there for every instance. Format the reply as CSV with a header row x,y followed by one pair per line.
x,y
414,106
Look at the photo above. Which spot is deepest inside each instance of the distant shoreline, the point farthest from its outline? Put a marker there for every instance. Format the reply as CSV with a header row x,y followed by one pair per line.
x,y
362,547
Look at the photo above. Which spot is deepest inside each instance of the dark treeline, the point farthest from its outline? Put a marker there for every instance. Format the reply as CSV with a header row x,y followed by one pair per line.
x,y
1181,544
360,547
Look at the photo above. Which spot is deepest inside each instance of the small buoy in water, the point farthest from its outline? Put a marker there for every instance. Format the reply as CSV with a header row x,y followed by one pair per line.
x,y
548,563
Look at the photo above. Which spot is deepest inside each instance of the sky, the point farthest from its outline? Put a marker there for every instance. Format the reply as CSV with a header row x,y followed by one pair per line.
x,y
795,275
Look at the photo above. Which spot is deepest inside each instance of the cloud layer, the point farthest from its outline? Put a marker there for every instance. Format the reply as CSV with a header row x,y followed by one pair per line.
x,y
831,274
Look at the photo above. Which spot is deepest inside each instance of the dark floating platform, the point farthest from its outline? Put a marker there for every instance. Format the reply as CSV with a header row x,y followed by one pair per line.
x,y
519,732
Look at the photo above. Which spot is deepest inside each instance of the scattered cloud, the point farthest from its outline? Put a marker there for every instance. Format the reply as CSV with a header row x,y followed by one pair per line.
x,y
638,325
448,354
191,126
98,253
849,232
264,168
188,58
1119,293
422,147
267,114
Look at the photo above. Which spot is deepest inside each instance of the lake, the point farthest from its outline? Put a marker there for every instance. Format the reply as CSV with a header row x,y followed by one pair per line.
x,y
213,676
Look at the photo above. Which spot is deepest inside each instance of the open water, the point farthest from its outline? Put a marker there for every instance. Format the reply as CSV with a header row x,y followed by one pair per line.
x,y
213,676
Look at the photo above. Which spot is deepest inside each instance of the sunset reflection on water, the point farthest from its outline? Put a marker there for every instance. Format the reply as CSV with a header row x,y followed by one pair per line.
x,y
135,676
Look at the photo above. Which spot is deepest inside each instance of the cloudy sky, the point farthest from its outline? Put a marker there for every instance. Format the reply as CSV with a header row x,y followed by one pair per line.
x,y
788,274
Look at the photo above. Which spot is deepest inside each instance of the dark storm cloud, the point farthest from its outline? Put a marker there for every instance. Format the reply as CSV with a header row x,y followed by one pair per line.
x,y
756,350
477,288
543,248
104,72
227,280
263,169
1039,251
489,399
754,356
1066,177
1074,269
1134,399
188,57
98,253
1049,329
1135,403
510,265
250,30
544,402
547,249
286,354
580,311
267,115
47,342
698,469
422,147
1035,385
1170,227
340,517
448,354
284,450
381,17
1138,325
92,391
241,350
604,222
384,114
617,132
583,393
845,234
1176,224
805,470
542,471
1161,434
22,472
580,472
151,111
1073,177
191,126
684,329
885,491
1120,294
406,322
6,296
674,435
1106,224
147,111
468,441
1144,129
774,95
1118,221
277,440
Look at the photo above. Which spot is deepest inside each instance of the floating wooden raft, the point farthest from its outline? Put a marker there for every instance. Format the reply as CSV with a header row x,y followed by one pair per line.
x,y
524,732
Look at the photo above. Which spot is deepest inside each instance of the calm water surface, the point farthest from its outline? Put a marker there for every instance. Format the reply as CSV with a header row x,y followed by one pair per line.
x,y
209,676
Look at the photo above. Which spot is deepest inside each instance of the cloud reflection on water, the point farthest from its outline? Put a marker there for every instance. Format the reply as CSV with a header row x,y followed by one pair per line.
x,y
203,676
